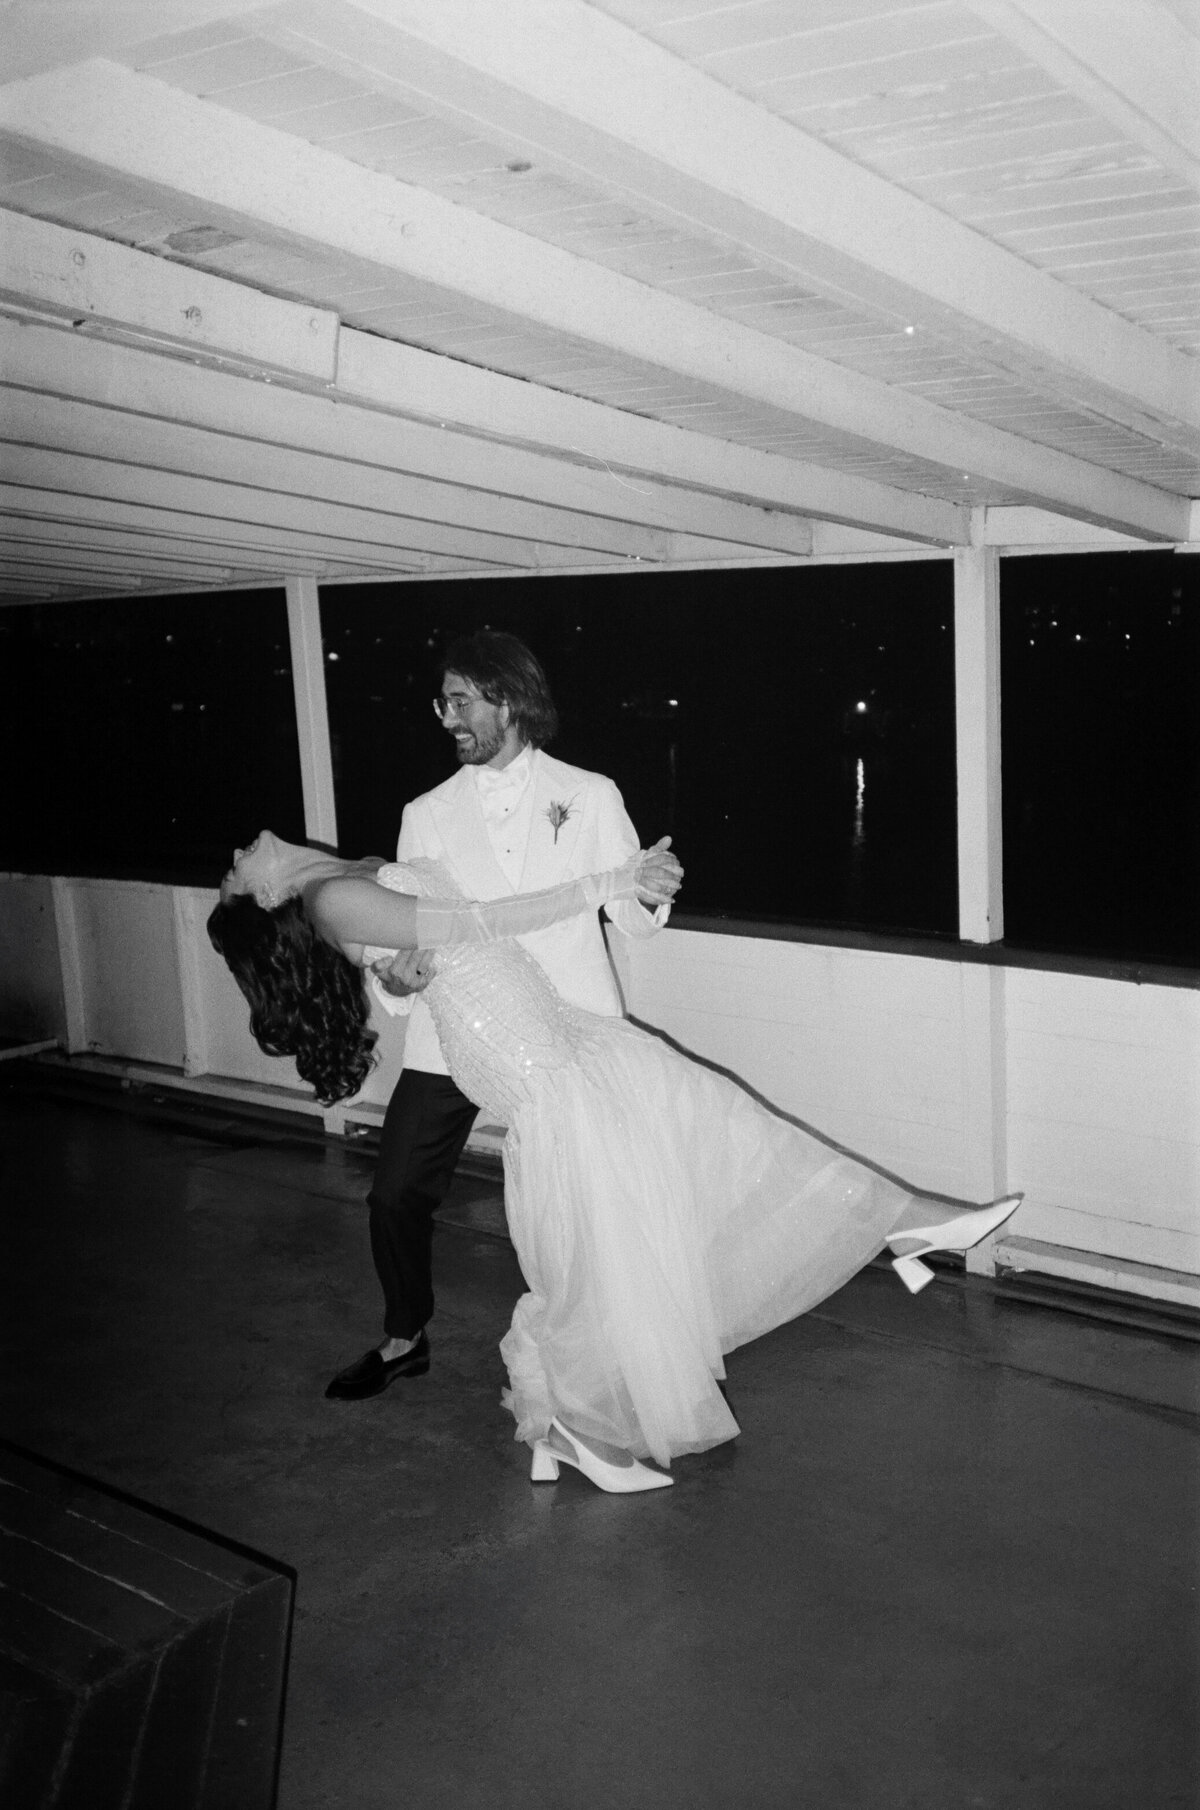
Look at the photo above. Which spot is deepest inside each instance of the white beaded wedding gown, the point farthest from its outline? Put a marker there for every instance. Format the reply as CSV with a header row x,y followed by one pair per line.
x,y
661,1216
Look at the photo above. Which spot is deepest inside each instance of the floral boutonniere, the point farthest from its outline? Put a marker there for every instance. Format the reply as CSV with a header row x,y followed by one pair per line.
x,y
558,814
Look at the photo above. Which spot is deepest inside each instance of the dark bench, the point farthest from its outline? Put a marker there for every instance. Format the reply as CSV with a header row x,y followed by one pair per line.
x,y
142,1661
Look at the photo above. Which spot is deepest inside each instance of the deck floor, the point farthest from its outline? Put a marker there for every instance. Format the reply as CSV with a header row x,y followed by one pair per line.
x,y
951,1564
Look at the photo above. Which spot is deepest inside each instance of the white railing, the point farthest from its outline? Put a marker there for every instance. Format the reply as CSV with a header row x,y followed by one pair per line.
x,y
966,1079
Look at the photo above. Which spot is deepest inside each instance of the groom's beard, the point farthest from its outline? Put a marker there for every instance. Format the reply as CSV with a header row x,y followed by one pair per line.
x,y
477,750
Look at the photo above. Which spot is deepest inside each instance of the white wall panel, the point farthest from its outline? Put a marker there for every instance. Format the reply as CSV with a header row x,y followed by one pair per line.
x,y
1102,1077
1104,1111
31,1000
125,933
863,1045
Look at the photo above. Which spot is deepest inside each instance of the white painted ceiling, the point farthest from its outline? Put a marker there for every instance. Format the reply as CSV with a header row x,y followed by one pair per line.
x,y
367,288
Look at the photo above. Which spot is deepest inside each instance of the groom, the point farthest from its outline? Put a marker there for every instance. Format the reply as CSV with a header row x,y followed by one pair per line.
x,y
510,820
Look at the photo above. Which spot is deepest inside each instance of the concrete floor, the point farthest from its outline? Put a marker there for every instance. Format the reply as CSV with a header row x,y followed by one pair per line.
x,y
951,1564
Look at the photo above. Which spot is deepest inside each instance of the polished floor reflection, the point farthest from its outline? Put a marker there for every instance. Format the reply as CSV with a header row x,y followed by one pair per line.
x,y
951,1564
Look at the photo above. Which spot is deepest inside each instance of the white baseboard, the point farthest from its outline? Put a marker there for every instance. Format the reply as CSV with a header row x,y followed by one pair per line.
x,y
1014,1255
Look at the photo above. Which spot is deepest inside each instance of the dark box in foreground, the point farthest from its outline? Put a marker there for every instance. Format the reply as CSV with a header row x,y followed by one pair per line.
x,y
142,1662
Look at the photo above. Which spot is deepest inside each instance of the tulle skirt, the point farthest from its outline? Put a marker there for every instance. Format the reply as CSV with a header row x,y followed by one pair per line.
x,y
663,1217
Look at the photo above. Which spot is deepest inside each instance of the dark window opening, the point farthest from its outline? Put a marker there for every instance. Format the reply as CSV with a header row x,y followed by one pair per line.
x,y
793,730
1101,752
144,737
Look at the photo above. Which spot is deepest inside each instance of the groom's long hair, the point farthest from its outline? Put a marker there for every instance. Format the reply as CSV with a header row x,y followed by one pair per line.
x,y
505,672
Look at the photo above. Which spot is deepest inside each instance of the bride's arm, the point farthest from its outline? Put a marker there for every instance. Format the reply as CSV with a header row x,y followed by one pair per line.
x,y
357,911
352,911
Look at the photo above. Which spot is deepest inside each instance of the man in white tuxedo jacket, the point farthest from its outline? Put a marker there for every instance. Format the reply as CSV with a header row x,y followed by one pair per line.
x,y
510,820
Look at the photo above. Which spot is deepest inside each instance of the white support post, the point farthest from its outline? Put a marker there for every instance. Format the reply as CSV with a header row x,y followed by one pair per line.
x,y
980,876
312,715
985,1094
70,966
977,709
191,988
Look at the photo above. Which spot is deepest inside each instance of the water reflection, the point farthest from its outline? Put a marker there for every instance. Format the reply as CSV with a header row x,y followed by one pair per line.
x,y
858,843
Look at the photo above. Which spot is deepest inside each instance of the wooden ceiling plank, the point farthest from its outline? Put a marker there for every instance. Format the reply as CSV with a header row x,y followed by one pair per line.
x,y
275,547
94,560
159,136
407,379
42,37
71,469
41,359
478,523
679,137
39,531
1141,75
405,542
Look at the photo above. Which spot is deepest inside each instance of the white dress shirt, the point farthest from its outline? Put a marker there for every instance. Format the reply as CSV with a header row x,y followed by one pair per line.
x,y
506,801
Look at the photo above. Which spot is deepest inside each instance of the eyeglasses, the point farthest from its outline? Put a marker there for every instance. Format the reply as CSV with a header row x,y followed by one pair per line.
x,y
456,703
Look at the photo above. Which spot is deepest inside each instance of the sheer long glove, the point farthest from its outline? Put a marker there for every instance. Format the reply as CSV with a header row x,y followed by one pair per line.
x,y
455,921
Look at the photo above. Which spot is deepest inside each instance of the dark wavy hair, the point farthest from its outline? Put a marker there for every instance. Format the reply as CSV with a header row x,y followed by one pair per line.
x,y
505,672
306,999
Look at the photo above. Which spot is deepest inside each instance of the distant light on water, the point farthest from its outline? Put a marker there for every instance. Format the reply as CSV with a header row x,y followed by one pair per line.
x,y
860,793
861,709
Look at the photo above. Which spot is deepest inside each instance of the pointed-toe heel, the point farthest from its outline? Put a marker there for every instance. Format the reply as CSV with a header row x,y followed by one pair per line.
x,y
958,1235
545,1464
615,1479
914,1274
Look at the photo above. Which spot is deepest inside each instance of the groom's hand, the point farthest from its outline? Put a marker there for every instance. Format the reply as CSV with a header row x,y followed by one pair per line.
x,y
660,875
409,972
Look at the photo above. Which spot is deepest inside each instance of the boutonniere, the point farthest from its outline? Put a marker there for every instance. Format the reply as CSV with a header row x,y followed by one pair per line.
x,y
557,814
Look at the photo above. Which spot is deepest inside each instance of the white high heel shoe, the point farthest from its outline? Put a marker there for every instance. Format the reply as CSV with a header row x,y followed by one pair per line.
x,y
617,1479
958,1234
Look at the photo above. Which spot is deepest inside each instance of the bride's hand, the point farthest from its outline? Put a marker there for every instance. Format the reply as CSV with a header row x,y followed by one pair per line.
x,y
406,973
659,874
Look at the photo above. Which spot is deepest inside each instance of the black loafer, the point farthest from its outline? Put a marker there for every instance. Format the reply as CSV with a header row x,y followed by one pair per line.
x,y
372,1373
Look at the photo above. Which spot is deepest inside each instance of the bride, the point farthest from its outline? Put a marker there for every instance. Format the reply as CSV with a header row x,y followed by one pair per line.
x,y
661,1215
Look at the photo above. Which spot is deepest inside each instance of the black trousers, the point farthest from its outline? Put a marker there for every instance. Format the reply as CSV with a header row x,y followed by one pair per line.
x,y
424,1129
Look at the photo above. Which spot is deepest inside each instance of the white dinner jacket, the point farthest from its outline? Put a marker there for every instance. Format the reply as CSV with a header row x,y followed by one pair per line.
x,y
447,825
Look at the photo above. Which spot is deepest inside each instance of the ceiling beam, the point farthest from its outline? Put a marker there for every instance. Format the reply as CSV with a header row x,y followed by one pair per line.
x,y
497,488
669,135
385,374
98,561
66,472
107,520
98,285
439,517
35,530
240,171
116,291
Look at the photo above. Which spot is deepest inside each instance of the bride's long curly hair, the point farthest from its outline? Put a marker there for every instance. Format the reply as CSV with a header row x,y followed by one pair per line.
x,y
306,999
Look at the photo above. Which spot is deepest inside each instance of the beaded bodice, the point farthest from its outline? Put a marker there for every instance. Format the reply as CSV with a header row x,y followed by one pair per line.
x,y
499,1020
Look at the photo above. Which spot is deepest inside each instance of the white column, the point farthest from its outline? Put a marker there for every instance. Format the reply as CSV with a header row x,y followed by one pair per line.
x,y
316,752
70,966
188,931
977,708
985,1094
312,715
980,877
